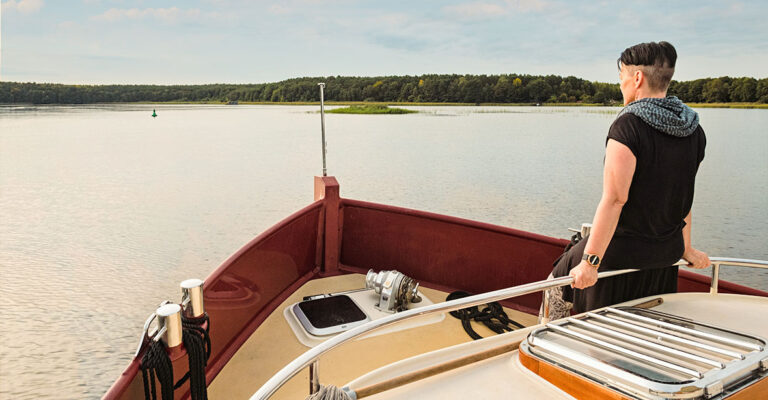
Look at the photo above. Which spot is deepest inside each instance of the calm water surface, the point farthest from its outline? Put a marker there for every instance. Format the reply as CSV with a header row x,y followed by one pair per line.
x,y
104,210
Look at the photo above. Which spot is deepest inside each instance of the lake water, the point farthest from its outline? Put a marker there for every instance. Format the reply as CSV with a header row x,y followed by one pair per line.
x,y
104,210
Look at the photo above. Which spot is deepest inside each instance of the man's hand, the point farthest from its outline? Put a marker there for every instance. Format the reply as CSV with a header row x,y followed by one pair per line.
x,y
584,275
696,259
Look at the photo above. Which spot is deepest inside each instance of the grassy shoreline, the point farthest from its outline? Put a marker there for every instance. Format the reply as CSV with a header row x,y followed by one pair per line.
x,y
400,103
378,109
729,105
431,104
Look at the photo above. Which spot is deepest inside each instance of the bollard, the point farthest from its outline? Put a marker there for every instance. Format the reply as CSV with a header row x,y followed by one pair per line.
x,y
192,297
169,316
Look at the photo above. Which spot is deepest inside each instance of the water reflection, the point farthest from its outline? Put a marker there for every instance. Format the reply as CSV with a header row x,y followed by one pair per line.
x,y
105,210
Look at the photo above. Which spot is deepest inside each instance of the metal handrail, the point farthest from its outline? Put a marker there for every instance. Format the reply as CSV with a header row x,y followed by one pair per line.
x,y
310,357
545,298
736,262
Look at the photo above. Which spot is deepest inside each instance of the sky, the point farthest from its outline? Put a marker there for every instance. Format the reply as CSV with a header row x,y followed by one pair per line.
x,y
238,41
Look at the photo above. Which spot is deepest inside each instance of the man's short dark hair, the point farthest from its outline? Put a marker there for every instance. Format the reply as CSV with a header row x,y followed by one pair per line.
x,y
657,61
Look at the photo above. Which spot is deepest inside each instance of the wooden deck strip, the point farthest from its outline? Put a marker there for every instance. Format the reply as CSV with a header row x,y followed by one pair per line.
x,y
273,345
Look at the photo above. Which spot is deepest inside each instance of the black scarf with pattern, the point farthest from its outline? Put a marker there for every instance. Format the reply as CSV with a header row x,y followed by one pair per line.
x,y
668,115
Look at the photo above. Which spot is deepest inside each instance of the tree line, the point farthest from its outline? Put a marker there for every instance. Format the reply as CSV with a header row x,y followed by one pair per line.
x,y
508,88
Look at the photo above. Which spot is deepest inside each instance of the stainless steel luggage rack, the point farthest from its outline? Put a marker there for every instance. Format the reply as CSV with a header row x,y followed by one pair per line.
x,y
647,354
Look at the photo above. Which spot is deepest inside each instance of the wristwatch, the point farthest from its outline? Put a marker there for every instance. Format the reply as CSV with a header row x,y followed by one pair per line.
x,y
592,259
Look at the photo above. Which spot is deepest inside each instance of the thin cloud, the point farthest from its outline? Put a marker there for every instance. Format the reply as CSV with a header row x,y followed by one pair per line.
x,y
168,15
476,10
280,9
401,31
490,10
528,5
286,7
23,6
67,25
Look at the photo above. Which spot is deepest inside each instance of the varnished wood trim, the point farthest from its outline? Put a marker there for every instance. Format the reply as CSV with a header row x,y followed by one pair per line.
x,y
755,391
650,303
572,384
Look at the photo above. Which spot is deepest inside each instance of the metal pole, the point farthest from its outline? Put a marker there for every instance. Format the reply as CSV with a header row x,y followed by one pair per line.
x,y
736,262
314,378
322,124
715,277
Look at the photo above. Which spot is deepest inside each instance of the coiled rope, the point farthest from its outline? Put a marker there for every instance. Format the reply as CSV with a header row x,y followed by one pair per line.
x,y
492,316
329,392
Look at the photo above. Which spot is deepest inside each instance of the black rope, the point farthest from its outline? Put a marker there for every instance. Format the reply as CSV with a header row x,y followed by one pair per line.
x,y
157,364
197,341
492,316
402,297
196,324
197,361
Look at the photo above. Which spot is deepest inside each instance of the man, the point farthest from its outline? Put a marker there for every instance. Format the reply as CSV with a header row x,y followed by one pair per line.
x,y
643,220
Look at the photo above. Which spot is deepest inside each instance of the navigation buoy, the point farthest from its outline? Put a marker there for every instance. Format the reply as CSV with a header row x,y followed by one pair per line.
x,y
154,114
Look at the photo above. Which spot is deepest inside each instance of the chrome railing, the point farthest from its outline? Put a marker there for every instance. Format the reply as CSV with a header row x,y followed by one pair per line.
x,y
310,358
737,262
545,300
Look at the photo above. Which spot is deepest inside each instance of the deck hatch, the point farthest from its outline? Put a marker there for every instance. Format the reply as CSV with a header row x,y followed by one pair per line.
x,y
648,354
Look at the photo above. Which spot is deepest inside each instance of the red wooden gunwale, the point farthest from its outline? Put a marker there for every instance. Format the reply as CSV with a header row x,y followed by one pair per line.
x,y
454,220
444,252
245,289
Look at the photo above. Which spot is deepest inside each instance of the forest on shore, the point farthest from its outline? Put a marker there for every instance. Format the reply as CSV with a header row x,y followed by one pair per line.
x,y
477,89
